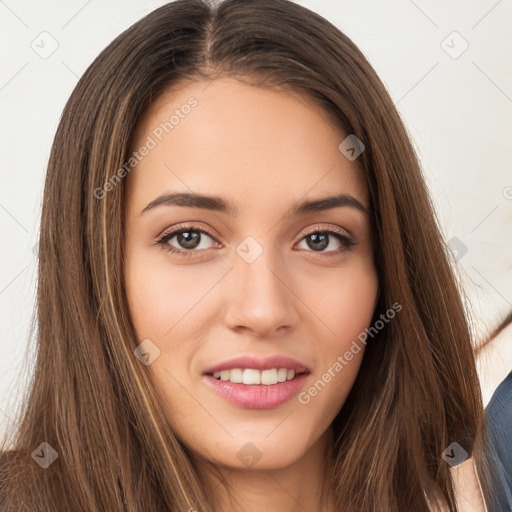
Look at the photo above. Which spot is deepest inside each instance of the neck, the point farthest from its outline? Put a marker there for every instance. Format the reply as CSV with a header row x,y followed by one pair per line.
x,y
300,486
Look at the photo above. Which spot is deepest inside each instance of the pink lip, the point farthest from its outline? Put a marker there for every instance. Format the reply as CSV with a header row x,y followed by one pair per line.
x,y
266,363
257,396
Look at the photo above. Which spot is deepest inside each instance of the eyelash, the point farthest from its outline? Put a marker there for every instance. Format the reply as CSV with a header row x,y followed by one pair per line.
x,y
346,241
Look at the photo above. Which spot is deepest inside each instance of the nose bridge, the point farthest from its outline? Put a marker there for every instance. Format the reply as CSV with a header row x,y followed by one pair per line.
x,y
261,299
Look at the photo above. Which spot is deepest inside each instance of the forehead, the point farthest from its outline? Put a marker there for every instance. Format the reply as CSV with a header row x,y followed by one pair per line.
x,y
250,144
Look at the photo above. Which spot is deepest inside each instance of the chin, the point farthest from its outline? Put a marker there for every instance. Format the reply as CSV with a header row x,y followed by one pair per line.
x,y
259,450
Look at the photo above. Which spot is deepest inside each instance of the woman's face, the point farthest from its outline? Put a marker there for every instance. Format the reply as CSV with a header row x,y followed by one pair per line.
x,y
244,284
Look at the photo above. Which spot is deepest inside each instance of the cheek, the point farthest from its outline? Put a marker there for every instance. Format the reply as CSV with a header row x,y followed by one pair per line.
x,y
165,307
344,306
343,301
163,297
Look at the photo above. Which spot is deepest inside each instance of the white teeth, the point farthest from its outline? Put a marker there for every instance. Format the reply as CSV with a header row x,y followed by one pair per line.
x,y
236,376
281,374
250,376
269,377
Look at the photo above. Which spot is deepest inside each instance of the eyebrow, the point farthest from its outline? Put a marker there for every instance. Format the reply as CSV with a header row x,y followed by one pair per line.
x,y
218,204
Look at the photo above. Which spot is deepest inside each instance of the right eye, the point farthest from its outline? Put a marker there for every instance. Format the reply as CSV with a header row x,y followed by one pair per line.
x,y
188,238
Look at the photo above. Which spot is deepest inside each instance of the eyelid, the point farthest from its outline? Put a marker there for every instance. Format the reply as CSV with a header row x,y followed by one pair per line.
x,y
328,227
179,228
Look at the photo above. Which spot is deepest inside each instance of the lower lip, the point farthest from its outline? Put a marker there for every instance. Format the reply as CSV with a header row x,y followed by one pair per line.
x,y
257,396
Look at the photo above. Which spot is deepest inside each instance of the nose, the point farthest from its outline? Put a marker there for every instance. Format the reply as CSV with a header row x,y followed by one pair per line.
x,y
259,297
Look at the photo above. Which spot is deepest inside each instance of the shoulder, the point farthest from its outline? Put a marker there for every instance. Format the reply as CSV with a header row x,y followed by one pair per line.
x,y
467,487
498,415
499,411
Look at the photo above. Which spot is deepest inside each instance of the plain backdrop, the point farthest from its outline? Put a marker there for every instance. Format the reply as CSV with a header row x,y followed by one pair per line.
x,y
447,65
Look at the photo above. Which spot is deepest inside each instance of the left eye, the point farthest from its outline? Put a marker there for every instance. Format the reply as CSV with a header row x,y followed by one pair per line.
x,y
318,241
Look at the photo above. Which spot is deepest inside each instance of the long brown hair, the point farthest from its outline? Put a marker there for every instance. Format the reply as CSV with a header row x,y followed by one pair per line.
x,y
417,389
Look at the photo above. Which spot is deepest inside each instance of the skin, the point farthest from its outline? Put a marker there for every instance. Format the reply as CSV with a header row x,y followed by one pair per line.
x,y
263,150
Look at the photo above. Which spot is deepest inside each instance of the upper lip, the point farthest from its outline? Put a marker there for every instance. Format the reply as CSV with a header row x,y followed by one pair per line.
x,y
258,363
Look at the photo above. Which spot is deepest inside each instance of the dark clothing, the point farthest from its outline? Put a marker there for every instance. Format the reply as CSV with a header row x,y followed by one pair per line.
x,y
499,423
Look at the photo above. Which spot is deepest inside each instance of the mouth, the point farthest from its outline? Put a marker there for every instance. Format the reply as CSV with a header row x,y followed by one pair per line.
x,y
254,383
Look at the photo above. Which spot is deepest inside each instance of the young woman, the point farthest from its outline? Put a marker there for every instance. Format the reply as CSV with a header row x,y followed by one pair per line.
x,y
244,300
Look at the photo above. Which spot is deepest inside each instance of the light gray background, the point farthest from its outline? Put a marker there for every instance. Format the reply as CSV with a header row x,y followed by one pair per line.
x,y
456,105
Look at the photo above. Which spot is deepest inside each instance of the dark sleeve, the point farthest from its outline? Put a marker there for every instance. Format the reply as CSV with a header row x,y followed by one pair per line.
x,y
499,424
